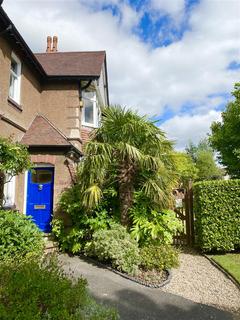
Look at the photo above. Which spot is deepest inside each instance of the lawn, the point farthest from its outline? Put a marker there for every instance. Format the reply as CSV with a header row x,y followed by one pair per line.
x,y
230,262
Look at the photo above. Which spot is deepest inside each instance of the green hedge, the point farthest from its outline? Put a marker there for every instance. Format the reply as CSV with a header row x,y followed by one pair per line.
x,y
217,214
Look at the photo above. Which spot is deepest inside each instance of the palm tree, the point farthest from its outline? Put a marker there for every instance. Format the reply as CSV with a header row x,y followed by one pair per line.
x,y
131,151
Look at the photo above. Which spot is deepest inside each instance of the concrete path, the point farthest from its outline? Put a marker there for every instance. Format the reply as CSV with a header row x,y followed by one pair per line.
x,y
134,301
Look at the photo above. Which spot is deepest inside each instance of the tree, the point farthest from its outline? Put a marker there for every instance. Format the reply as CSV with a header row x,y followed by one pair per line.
x,y
14,159
206,165
185,167
202,155
130,151
225,137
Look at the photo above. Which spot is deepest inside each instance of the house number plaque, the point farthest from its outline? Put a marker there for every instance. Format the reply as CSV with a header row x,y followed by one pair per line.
x,y
39,206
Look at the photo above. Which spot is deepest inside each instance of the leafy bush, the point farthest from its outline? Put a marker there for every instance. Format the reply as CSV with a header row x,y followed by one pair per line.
x,y
116,247
19,236
14,159
73,239
150,225
159,257
217,212
40,292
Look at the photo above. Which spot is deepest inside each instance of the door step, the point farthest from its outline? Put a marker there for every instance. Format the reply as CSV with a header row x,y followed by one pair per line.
x,y
51,246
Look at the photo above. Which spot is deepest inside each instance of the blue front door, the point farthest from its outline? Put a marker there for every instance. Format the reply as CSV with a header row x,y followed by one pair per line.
x,y
40,197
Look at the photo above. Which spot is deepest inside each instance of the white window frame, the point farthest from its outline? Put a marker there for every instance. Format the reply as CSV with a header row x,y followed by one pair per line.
x,y
17,76
9,191
95,123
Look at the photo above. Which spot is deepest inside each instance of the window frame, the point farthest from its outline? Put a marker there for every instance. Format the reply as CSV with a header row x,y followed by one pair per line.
x,y
16,95
95,123
9,189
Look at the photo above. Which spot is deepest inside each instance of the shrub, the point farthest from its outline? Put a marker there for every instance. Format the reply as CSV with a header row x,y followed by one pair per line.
x,y
217,212
116,247
150,225
19,236
14,159
73,238
29,290
159,257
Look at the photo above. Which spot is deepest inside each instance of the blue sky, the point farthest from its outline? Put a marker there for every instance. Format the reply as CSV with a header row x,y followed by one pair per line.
x,y
152,21
174,60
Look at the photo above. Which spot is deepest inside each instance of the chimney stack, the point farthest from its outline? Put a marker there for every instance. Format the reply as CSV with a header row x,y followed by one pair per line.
x,y
55,42
49,44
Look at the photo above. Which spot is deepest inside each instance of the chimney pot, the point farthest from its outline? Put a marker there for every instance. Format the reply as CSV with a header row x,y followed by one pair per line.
x,y
49,44
55,43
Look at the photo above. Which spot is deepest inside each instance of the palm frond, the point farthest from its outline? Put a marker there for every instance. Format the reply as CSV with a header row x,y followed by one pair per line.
x,y
154,191
95,147
130,152
91,196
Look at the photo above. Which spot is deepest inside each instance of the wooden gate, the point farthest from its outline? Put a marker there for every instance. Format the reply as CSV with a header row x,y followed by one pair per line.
x,y
184,211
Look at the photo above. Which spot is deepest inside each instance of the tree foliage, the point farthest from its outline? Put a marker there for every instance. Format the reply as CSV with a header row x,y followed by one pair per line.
x,y
225,137
185,167
202,156
206,166
128,151
14,159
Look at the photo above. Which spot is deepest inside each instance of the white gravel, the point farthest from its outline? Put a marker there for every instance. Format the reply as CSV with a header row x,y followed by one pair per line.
x,y
198,280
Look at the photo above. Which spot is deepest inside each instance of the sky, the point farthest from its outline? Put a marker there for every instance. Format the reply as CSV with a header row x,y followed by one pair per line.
x,y
174,60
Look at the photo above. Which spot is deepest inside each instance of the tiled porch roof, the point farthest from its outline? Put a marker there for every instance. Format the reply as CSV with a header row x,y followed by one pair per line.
x,y
43,133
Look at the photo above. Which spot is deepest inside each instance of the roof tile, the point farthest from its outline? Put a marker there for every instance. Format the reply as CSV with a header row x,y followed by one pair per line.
x,y
43,133
87,63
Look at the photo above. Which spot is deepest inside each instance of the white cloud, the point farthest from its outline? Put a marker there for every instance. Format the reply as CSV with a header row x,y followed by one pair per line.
x,y
184,128
174,8
187,71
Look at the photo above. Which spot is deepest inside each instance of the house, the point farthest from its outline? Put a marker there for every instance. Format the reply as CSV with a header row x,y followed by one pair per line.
x,y
49,101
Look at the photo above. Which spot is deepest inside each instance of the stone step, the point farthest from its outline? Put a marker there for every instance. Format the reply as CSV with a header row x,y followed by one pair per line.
x,y
50,244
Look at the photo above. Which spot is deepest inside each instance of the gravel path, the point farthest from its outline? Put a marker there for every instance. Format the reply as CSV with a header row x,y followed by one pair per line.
x,y
134,301
198,280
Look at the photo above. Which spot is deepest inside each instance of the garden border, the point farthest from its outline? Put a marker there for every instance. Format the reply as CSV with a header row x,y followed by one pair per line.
x,y
126,276
224,271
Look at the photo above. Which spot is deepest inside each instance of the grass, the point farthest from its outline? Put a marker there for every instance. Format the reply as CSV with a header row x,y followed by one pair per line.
x,y
230,262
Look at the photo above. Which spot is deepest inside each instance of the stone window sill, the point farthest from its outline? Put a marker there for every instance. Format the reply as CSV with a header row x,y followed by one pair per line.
x,y
14,104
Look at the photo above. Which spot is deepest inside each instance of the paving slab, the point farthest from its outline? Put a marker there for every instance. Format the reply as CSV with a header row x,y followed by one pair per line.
x,y
134,301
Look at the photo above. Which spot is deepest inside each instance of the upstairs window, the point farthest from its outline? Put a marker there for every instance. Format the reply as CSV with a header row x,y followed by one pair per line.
x,y
15,79
90,114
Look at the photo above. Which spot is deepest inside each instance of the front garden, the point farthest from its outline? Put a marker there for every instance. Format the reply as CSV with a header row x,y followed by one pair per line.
x,y
119,206
33,286
119,212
